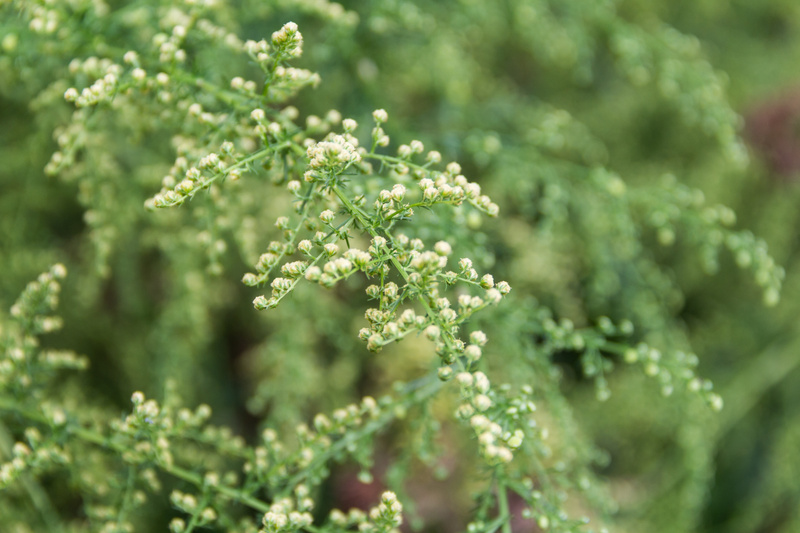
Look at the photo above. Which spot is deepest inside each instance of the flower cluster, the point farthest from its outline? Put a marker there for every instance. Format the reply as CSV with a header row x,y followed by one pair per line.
x,y
31,459
288,41
334,155
23,363
384,518
208,169
283,518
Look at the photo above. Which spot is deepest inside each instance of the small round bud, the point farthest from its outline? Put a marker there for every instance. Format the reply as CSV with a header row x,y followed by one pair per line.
x,y
380,116
478,338
482,402
327,216
258,115
445,373
432,332
465,379
71,94
434,157
59,271
304,246
443,248
349,124
473,352
261,303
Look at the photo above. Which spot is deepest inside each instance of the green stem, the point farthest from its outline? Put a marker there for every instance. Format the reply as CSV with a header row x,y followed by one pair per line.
x,y
195,520
502,503
127,498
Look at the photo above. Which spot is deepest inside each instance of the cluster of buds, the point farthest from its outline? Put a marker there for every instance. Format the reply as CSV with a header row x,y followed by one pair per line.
x,y
44,20
176,189
335,153
288,40
188,503
103,89
488,412
169,46
379,137
279,521
489,435
298,76
25,460
390,202
280,288
385,517
452,187
313,442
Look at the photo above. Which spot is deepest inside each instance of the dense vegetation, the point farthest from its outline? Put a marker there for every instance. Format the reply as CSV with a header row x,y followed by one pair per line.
x,y
292,265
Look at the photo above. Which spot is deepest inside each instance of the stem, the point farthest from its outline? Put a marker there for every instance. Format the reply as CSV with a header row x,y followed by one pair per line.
x,y
193,523
502,502
126,499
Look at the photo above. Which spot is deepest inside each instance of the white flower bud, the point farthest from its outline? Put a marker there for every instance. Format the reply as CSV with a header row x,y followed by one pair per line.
x,y
443,248
478,338
380,116
432,332
473,352
453,168
258,115
331,249
327,216
465,379
398,192
71,94
349,124
482,402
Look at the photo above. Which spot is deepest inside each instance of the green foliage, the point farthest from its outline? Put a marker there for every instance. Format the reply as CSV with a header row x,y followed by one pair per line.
x,y
185,158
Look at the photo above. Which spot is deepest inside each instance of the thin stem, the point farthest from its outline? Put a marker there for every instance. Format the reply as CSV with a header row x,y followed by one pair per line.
x,y
127,498
502,502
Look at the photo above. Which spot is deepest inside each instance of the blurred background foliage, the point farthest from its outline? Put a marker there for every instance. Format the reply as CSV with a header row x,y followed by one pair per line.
x,y
555,108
